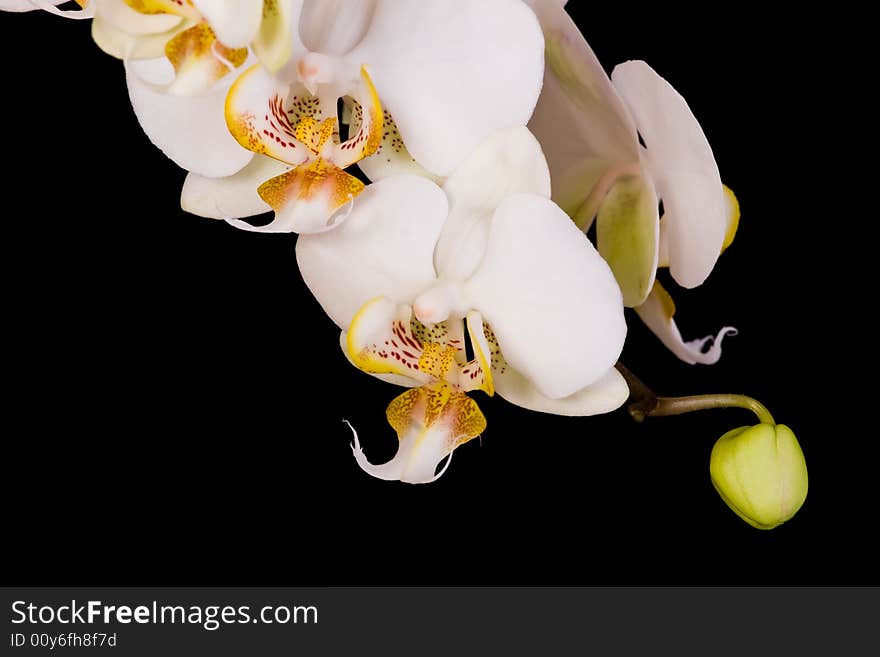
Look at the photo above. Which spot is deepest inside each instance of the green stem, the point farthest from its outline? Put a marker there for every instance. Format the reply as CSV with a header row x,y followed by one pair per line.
x,y
645,403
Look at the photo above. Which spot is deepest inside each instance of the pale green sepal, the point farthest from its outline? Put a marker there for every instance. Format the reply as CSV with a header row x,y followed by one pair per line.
x,y
627,236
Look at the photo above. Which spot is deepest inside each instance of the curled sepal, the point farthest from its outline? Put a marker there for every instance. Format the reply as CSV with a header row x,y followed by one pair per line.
x,y
657,313
306,199
430,421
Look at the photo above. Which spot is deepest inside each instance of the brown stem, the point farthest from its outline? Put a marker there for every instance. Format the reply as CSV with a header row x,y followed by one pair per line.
x,y
644,402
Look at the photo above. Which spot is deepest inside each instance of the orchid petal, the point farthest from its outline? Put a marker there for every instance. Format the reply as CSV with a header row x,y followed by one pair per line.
x,y
684,169
265,116
583,126
387,341
509,161
334,27
122,45
391,157
385,247
234,196
447,99
380,340
549,297
236,22
657,313
122,17
602,396
190,130
393,379
731,206
430,422
199,60
627,236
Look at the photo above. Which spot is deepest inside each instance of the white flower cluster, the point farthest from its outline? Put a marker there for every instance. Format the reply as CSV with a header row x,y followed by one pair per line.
x,y
488,140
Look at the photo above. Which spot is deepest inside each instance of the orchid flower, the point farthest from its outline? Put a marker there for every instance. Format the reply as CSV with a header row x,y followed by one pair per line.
x,y
179,71
424,81
589,126
416,266
86,10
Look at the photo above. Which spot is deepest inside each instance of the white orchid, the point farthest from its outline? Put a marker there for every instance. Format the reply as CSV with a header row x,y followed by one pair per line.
x,y
425,80
86,10
589,127
416,265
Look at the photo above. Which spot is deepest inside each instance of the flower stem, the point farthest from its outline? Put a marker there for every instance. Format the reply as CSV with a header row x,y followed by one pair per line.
x,y
645,402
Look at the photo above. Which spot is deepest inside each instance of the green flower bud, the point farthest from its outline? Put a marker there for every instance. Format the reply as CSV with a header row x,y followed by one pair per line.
x,y
760,473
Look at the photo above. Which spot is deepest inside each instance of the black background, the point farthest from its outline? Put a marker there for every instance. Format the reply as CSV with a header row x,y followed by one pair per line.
x,y
175,396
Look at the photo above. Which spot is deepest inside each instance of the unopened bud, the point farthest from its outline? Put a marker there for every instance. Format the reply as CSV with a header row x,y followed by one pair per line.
x,y
760,473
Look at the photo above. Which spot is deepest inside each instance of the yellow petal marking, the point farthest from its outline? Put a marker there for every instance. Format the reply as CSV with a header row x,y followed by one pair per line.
x,y
433,403
437,360
318,181
176,7
387,339
732,219
313,133
197,47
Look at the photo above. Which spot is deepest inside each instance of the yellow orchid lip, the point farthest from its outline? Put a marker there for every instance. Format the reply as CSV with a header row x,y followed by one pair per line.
x,y
437,416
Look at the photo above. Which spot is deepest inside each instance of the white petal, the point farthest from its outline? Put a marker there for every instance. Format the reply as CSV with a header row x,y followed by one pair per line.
x,y
231,197
119,15
385,247
509,161
453,71
122,45
602,396
684,170
334,27
191,130
549,297
657,313
416,459
391,158
235,22
583,126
